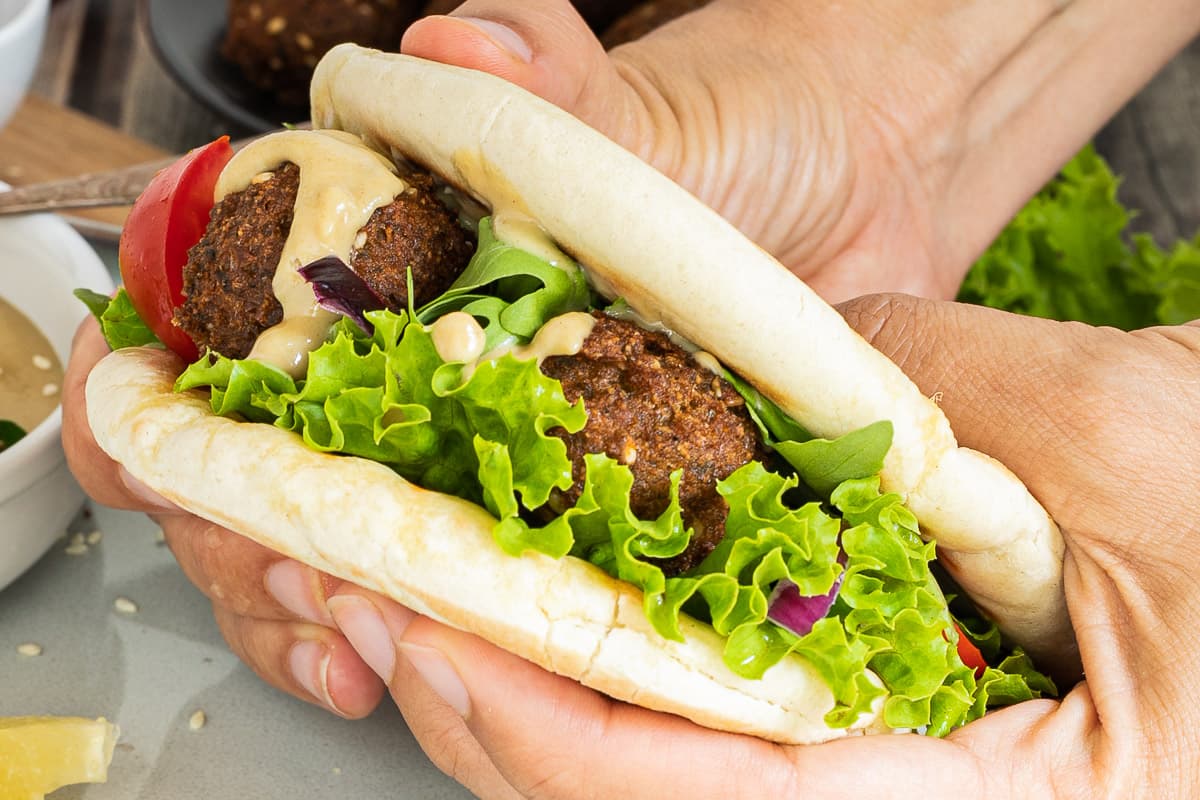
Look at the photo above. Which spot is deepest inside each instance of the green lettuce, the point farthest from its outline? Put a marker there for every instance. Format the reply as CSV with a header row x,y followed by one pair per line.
x,y
119,321
1069,255
484,434
514,292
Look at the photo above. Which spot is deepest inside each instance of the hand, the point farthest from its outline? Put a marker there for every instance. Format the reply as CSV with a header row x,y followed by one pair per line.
x,y
868,150
271,610
1100,426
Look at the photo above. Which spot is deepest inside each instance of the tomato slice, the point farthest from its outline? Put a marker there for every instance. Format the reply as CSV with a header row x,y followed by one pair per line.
x,y
165,222
970,654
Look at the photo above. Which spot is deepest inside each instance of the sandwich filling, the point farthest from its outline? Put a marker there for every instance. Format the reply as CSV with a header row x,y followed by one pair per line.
x,y
488,368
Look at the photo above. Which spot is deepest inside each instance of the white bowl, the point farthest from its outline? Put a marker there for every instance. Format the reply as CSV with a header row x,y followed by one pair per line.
x,y
42,260
22,28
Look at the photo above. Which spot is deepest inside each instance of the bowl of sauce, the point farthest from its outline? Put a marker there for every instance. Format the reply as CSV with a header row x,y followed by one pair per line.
x,y
30,375
42,260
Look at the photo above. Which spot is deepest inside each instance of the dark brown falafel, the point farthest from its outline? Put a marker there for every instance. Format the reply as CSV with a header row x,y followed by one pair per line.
x,y
229,299
652,407
277,43
415,230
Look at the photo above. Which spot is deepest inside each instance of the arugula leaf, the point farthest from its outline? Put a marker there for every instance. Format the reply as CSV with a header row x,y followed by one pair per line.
x,y
531,290
119,322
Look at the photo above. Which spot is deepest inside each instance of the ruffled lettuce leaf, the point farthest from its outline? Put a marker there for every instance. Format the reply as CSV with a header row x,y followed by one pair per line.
x,y
119,322
485,434
1066,255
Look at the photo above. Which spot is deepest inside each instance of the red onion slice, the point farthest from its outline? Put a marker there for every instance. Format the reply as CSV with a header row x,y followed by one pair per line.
x,y
339,289
798,613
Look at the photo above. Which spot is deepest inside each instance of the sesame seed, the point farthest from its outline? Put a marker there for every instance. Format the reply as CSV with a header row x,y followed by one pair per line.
x,y
197,720
76,549
304,41
125,605
276,25
30,649
41,362
337,770
94,537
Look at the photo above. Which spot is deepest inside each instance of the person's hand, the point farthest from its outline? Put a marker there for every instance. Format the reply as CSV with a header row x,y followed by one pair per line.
x,y
870,147
271,610
1100,425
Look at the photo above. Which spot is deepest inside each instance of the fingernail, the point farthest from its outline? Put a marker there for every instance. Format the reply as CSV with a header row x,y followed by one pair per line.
x,y
294,587
503,37
144,493
309,663
439,673
363,626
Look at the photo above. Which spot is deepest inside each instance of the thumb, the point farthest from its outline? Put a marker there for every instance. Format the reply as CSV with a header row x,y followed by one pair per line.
x,y
546,48
1060,404
1008,384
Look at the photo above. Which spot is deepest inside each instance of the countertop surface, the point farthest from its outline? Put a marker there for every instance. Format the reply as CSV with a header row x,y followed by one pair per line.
x,y
151,670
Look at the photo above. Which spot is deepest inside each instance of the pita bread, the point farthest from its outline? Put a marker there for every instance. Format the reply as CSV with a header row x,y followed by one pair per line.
x,y
625,222
360,521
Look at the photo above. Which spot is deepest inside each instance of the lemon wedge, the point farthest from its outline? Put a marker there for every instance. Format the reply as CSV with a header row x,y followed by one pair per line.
x,y
40,754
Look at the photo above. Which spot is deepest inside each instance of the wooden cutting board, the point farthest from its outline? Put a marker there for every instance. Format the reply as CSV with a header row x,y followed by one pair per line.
x,y
44,141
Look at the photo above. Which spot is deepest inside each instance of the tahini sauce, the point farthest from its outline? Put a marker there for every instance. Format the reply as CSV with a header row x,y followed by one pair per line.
x,y
30,373
457,336
342,183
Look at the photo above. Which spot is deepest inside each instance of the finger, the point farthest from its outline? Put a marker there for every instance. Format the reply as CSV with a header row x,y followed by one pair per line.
x,y
245,578
1017,388
546,48
373,624
98,474
542,732
1066,406
313,663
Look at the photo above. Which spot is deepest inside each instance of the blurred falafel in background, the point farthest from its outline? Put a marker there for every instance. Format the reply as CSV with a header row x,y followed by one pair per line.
x,y
277,43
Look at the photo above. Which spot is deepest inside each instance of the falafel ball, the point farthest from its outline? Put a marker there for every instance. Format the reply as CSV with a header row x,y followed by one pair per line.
x,y
652,407
229,299
277,43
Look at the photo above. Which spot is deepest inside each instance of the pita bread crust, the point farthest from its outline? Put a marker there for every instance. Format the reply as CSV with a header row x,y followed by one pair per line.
x,y
625,222
360,521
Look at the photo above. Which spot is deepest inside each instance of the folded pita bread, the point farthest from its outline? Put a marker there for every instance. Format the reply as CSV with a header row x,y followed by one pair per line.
x,y
360,521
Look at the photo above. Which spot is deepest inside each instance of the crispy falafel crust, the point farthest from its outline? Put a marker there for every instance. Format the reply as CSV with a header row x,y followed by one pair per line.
x,y
651,407
229,299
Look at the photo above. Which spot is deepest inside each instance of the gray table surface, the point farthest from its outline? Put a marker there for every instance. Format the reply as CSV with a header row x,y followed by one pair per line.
x,y
152,670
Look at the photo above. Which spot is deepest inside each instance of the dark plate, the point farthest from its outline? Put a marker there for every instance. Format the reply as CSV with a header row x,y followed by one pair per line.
x,y
186,37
